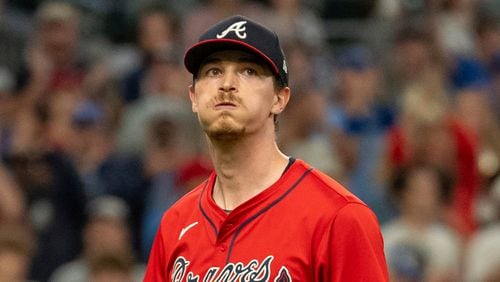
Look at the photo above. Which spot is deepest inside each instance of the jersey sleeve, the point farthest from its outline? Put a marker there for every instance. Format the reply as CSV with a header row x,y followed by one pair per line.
x,y
352,249
155,271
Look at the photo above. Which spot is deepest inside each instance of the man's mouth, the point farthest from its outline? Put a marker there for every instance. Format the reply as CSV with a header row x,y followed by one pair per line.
x,y
224,105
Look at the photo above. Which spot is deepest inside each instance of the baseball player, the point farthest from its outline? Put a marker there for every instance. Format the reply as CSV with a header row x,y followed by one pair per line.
x,y
261,215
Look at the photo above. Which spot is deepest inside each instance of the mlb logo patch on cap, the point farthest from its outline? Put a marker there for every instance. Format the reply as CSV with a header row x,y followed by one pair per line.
x,y
240,33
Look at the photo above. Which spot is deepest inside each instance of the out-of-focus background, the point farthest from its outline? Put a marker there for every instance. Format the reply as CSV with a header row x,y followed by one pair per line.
x,y
399,100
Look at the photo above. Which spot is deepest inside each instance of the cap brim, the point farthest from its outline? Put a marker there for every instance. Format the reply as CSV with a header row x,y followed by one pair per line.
x,y
198,52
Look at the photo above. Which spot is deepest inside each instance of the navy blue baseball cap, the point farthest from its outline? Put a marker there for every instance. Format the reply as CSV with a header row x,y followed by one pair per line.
x,y
239,33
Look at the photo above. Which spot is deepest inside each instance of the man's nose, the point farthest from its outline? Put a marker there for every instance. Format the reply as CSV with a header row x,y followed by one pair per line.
x,y
228,81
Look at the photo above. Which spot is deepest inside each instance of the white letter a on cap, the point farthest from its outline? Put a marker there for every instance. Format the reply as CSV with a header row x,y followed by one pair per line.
x,y
238,28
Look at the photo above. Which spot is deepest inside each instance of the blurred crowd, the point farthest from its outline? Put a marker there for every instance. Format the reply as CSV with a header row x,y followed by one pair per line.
x,y
398,100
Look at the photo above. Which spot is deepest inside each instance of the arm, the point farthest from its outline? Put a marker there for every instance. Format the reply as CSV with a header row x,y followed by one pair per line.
x,y
12,203
352,249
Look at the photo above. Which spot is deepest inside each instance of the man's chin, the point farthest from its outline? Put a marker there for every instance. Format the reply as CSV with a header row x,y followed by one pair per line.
x,y
225,133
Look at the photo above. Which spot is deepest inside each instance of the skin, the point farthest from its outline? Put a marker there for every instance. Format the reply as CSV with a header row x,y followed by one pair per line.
x,y
13,266
420,200
235,98
155,32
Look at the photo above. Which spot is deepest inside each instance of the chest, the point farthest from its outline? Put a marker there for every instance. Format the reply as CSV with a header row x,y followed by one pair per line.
x,y
265,248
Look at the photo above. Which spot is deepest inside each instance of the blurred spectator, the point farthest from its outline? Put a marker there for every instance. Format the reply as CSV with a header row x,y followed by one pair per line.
x,y
103,170
454,25
427,132
416,59
302,64
469,72
59,108
13,39
21,125
50,187
106,233
361,120
482,257
408,263
113,267
55,74
12,200
347,9
156,29
304,135
302,129
7,111
293,21
488,39
206,13
55,202
194,170
473,110
93,150
417,243
163,98
495,93
161,162
17,245
451,21
53,61
390,9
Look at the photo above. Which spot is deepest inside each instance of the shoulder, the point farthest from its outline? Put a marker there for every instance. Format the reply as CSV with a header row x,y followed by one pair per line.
x,y
395,228
486,239
318,198
321,188
443,234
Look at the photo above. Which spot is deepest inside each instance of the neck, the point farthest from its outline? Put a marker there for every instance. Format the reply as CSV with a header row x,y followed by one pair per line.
x,y
245,168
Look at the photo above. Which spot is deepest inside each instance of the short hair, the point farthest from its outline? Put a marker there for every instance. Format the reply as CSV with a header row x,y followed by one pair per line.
x,y
402,175
57,10
155,8
412,32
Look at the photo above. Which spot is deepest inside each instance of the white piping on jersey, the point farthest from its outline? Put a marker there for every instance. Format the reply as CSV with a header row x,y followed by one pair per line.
x,y
185,229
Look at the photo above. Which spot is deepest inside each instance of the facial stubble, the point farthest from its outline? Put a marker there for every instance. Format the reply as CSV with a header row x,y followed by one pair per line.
x,y
224,129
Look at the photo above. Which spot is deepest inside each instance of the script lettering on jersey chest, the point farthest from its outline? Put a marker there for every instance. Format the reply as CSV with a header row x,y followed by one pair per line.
x,y
253,271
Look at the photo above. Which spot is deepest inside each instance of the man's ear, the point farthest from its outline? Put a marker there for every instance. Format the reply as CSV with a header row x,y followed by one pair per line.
x,y
280,100
192,97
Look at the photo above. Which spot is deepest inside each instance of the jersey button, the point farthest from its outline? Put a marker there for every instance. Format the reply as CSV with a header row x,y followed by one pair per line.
x,y
227,227
222,247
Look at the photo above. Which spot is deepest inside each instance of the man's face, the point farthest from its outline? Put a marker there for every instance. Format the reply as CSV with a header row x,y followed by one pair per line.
x,y
235,95
13,266
412,57
57,36
421,197
155,33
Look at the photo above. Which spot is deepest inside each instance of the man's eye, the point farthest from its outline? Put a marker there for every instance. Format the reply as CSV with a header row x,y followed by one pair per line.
x,y
249,71
213,72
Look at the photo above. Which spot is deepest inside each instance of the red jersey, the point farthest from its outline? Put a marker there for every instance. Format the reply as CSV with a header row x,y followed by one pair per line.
x,y
305,227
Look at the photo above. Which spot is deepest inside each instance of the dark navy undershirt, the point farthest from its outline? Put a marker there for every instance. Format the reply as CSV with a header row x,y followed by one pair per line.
x,y
291,160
